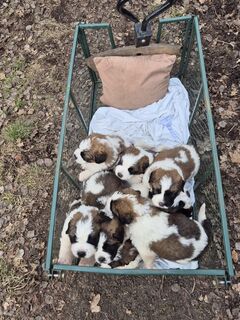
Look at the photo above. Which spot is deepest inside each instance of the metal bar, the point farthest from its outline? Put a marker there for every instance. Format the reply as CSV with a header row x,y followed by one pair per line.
x,y
143,272
48,264
163,7
110,34
86,51
70,178
79,112
187,48
126,13
196,105
93,101
175,19
214,153
94,25
159,32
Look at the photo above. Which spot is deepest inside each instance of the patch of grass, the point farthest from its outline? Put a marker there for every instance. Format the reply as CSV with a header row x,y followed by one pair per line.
x,y
9,278
34,177
10,199
17,130
19,64
19,103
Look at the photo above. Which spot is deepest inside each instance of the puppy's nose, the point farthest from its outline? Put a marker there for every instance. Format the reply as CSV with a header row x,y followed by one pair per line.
x,y
120,174
101,259
81,254
161,204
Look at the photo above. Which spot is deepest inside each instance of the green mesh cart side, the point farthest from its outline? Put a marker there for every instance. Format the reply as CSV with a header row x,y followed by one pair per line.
x,y
82,99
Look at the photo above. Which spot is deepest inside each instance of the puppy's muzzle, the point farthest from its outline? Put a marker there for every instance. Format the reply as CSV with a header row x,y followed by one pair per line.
x,y
101,259
81,254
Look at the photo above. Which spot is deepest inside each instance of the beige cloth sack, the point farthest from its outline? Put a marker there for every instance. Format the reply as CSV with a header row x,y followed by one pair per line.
x,y
135,81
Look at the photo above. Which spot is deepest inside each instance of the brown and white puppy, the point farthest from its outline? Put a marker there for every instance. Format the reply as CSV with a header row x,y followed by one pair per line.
x,y
114,248
158,234
167,175
110,240
98,152
132,164
99,187
80,233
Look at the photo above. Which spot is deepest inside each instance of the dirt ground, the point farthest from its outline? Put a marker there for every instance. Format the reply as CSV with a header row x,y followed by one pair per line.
x,y
35,43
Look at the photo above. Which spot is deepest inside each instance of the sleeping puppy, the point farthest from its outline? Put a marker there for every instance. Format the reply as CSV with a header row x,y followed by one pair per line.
x,y
133,164
155,233
98,152
99,187
167,175
80,233
114,248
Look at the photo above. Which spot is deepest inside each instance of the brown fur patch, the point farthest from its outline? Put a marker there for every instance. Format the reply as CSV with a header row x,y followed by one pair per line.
x,y
142,165
131,150
114,230
128,254
157,175
187,168
171,249
187,228
123,209
100,150
111,184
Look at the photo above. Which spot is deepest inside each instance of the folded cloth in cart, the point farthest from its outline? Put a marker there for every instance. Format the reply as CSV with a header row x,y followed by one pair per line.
x,y
164,122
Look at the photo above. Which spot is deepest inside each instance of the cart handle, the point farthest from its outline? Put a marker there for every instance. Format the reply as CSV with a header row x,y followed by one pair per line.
x,y
129,15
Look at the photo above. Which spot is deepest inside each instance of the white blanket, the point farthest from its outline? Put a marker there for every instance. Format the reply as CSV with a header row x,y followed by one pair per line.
x,y
164,122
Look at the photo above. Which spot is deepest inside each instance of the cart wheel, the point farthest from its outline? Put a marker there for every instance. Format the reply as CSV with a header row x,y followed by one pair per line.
x,y
56,274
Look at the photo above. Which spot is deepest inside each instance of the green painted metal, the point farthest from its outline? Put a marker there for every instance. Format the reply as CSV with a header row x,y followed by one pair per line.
x,y
48,263
196,105
186,48
143,272
214,153
70,178
175,19
80,36
79,112
159,32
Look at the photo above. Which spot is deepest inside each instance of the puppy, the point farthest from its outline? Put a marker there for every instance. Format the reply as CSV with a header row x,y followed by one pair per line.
x,y
98,152
158,234
114,248
110,239
167,175
133,164
80,233
99,187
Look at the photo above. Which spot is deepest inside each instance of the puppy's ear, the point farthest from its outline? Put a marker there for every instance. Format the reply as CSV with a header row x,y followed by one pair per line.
x,y
126,218
182,185
143,165
119,234
152,177
103,218
100,158
113,207
131,191
71,232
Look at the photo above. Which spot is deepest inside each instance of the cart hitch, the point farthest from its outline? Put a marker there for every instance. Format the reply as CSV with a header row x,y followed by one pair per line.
x,y
143,31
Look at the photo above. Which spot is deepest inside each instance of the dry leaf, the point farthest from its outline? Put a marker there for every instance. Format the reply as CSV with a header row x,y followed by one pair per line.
x,y
2,76
235,256
94,304
235,156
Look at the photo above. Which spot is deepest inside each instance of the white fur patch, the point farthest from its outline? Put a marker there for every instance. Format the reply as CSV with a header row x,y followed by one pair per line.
x,y
182,157
92,186
100,253
195,158
184,198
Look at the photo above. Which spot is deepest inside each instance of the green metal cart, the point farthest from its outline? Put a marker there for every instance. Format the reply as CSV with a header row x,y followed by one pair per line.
x,y
81,100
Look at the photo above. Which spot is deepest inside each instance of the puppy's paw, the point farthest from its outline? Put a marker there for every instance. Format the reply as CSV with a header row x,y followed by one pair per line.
x,y
84,175
65,260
